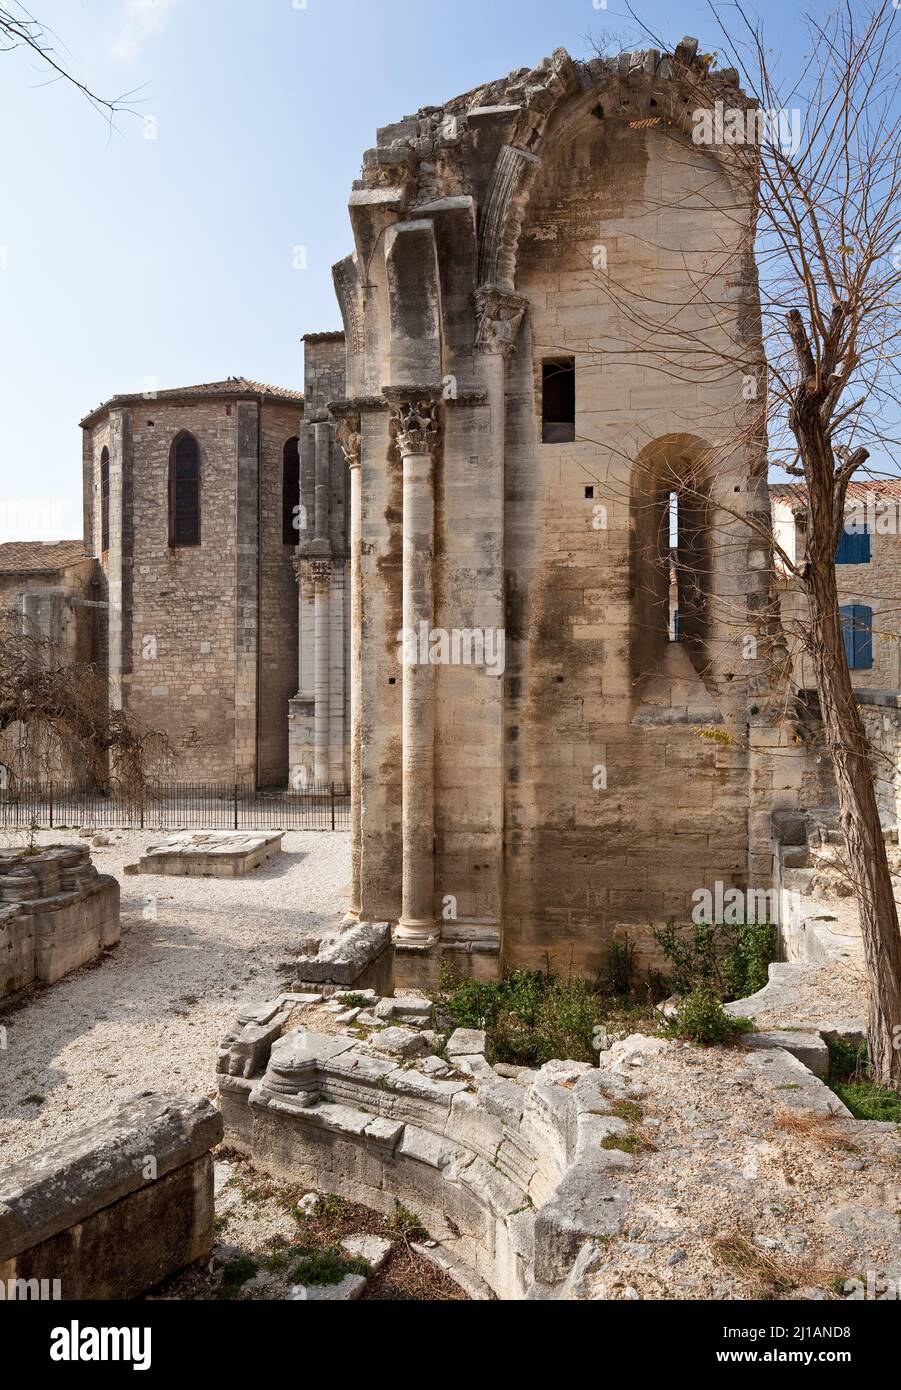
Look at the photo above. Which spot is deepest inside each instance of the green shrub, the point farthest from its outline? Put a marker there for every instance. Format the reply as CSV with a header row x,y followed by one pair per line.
x,y
702,1019
407,1224
531,1016
733,960
618,971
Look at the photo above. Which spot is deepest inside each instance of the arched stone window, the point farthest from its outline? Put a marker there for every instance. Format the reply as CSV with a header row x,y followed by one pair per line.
x,y
671,558
184,492
291,491
104,500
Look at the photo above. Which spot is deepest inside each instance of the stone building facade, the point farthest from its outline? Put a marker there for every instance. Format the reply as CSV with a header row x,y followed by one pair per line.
x,y
868,567
531,772
189,501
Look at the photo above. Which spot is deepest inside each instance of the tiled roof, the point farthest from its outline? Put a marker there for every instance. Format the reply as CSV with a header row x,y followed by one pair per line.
x,y
234,386
337,336
22,557
888,488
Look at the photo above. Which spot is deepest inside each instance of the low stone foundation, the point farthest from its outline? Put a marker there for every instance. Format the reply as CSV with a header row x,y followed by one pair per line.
x,y
56,914
506,1167
208,854
115,1210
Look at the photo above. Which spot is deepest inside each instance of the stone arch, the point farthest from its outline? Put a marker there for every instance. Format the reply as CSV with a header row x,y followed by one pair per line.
x,y
648,89
676,466
184,491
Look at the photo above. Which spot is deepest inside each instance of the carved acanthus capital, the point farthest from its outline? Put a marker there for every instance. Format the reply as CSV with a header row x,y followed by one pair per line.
x,y
321,572
499,313
417,426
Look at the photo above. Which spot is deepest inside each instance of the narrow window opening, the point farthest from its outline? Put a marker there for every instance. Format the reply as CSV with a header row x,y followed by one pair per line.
x,y
291,492
673,623
104,500
558,400
184,492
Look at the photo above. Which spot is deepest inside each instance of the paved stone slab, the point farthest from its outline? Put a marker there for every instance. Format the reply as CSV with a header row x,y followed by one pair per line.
x,y
809,1048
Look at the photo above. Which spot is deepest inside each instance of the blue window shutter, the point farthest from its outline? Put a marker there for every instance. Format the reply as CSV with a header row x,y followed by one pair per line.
x,y
853,548
857,630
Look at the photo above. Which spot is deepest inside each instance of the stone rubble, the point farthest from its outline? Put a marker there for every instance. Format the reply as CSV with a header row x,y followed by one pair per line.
x,y
574,1181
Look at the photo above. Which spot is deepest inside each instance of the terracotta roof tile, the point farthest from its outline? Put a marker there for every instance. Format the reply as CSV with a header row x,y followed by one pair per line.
x,y
233,386
23,557
888,488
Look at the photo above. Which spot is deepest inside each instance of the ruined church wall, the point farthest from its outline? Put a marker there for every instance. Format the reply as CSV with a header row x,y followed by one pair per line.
x,y
616,809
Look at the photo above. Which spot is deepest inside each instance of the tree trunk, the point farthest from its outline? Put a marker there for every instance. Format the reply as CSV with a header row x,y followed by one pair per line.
x,y
864,840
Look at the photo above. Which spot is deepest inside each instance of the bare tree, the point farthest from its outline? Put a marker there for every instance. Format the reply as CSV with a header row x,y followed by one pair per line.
x,y
52,708
826,234
21,30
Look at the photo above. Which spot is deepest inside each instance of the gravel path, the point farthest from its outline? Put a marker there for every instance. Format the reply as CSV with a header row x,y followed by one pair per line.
x,y
151,1013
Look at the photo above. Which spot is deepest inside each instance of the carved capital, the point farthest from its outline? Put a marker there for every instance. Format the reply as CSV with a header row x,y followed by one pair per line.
x,y
349,437
321,573
500,314
416,426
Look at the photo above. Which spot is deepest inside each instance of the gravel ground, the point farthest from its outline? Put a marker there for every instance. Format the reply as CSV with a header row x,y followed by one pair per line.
x,y
735,1196
150,1014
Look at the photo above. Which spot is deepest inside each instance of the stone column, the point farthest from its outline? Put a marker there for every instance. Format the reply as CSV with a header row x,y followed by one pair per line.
x,y
321,574
351,441
417,434
322,481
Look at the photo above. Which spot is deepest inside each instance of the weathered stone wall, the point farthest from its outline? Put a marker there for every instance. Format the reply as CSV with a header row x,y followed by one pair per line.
x,y
114,1211
573,798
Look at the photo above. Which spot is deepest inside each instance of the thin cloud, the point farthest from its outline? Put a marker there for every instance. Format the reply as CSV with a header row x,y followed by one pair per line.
x,y
139,21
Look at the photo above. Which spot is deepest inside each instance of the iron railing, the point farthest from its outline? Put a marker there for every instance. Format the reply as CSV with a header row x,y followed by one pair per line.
x,y
175,806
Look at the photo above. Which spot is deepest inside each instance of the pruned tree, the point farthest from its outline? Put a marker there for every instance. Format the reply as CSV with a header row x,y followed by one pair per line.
x,y
50,708
826,234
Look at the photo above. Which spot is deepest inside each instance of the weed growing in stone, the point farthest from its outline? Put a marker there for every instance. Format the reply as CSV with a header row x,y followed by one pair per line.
x,y
849,1072
318,1268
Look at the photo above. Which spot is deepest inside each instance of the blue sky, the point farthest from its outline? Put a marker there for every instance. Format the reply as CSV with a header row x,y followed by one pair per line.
x,y
171,260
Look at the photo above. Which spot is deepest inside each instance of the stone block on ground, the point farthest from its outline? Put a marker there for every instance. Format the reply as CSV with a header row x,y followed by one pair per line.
x,y
209,854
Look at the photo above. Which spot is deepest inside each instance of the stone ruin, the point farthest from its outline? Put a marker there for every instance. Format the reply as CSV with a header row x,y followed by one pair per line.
x,y
209,854
517,1173
56,914
114,1210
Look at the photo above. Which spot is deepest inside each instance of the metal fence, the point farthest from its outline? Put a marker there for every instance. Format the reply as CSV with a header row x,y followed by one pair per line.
x,y
176,806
